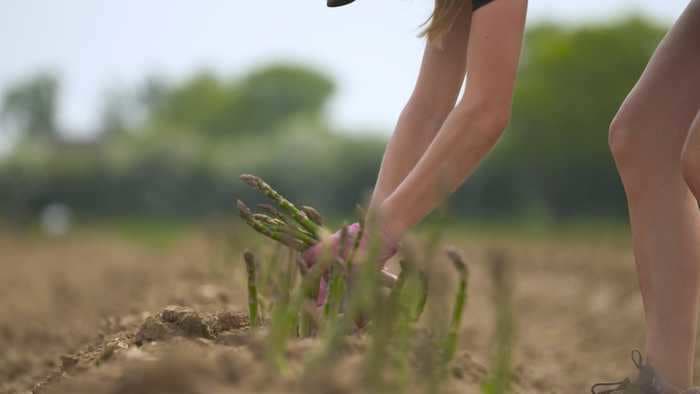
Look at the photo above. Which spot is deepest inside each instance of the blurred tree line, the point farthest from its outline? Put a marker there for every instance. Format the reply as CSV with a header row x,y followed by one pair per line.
x,y
177,148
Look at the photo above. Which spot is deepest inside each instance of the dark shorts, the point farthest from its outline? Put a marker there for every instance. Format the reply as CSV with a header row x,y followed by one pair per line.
x,y
479,3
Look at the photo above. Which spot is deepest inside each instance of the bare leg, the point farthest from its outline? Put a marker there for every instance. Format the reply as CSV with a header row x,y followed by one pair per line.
x,y
691,158
647,137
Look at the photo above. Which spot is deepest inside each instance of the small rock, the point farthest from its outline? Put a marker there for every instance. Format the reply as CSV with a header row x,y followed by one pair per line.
x,y
230,320
189,322
108,352
174,313
194,326
68,362
151,330
458,372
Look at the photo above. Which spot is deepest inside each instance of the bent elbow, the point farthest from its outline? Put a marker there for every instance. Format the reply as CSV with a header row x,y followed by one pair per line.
x,y
488,120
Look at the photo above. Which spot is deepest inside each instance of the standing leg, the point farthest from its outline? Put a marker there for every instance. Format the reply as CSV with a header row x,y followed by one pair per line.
x,y
691,158
647,138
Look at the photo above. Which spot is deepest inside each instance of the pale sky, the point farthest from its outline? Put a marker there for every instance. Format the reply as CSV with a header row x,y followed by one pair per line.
x,y
370,46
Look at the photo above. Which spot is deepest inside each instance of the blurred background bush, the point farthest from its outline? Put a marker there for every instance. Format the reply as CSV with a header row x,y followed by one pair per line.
x,y
174,148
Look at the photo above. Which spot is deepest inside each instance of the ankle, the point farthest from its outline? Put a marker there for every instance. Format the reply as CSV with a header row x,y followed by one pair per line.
x,y
671,375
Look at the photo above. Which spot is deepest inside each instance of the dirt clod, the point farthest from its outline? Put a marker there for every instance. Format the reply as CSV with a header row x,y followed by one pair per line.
x,y
153,329
187,321
68,361
230,320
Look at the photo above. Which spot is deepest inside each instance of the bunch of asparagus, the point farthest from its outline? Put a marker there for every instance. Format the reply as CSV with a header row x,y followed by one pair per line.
x,y
296,228
302,228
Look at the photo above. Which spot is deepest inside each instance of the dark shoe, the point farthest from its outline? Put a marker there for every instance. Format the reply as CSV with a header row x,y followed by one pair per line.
x,y
338,3
648,382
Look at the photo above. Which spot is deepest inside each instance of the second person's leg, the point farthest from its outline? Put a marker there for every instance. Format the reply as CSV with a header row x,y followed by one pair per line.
x,y
647,138
691,158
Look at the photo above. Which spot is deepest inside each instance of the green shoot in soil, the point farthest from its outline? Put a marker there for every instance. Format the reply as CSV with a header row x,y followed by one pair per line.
x,y
250,264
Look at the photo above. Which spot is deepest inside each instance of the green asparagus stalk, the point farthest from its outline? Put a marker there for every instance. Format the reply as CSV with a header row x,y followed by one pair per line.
x,y
450,345
272,211
336,287
395,294
277,225
301,264
297,233
499,381
308,292
284,204
313,214
277,219
247,215
423,278
250,265
267,220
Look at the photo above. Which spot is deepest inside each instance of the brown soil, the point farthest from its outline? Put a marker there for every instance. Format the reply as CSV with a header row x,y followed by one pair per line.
x,y
95,314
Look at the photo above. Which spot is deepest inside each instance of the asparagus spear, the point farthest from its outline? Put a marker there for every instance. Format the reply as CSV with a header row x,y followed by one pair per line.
x,y
284,204
395,294
313,214
450,345
270,221
247,215
423,277
278,219
336,287
277,225
272,211
297,233
250,265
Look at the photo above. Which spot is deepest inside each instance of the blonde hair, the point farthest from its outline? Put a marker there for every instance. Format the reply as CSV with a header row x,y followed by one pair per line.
x,y
442,19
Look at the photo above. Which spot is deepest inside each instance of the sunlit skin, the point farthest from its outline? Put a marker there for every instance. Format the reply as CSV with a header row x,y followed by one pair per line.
x,y
691,158
655,140
439,140
647,137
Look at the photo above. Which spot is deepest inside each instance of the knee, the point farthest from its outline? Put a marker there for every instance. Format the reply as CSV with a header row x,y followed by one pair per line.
x,y
633,149
623,142
632,146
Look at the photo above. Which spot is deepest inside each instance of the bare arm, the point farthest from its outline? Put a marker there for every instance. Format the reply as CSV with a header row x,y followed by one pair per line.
x,y
441,75
472,127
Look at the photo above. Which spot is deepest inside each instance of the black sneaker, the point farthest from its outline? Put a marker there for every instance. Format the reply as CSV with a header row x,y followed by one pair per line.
x,y
338,3
648,382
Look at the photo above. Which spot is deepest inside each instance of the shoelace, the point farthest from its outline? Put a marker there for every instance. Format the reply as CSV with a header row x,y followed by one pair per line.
x,y
618,387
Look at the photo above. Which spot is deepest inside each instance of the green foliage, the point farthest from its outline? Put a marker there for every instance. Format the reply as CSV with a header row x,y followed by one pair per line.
x,y
30,105
552,165
571,82
272,95
261,102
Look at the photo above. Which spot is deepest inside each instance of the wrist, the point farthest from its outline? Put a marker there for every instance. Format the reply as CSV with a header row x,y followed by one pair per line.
x,y
388,225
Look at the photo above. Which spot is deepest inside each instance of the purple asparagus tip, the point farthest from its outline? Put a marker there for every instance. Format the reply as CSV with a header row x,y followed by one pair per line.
x,y
242,208
251,180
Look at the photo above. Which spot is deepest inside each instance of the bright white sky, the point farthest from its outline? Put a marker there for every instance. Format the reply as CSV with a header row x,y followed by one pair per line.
x,y
370,47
